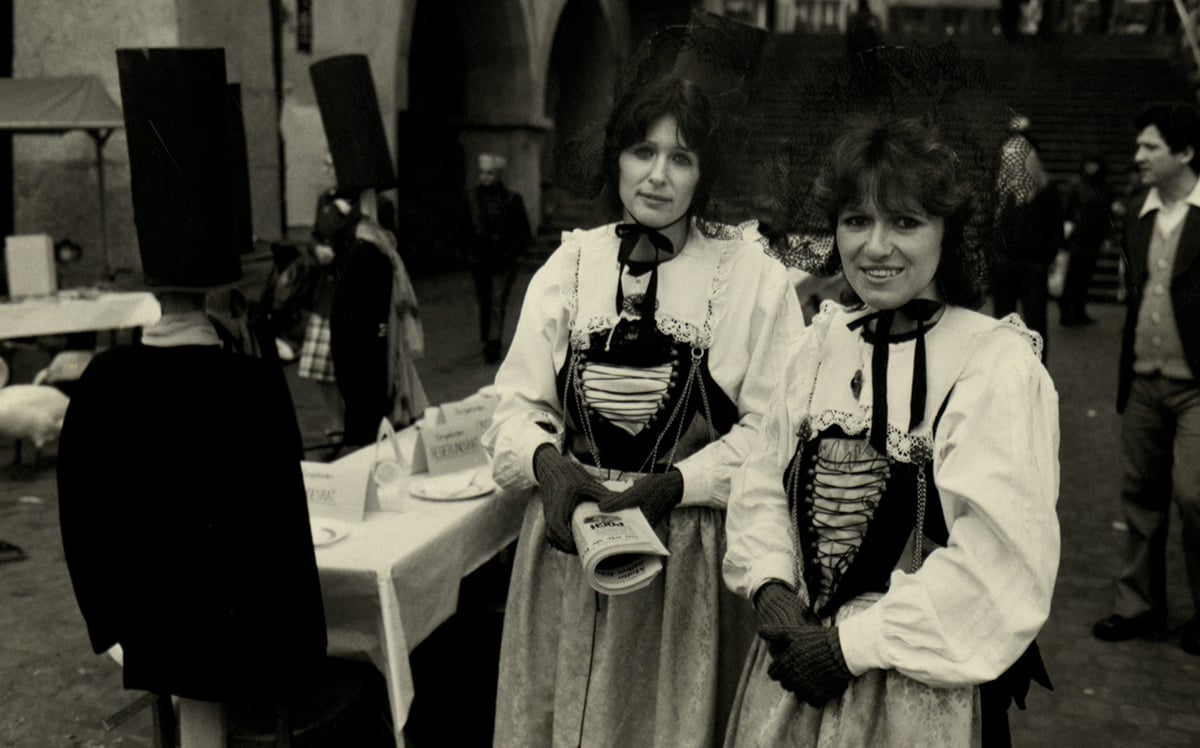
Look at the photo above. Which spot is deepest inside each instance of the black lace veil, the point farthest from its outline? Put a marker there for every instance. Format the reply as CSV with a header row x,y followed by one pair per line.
x,y
934,84
720,56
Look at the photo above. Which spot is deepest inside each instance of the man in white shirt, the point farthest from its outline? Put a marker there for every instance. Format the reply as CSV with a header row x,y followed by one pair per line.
x,y
1158,397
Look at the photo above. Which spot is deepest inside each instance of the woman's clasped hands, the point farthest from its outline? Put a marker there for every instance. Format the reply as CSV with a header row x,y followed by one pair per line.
x,y
806,657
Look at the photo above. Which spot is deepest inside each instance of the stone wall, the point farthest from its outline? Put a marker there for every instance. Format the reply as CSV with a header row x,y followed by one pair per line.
x,y
54,177
504,66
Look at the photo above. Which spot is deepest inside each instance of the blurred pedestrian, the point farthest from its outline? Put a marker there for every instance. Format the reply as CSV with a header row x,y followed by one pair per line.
x,y
1158,396
1032,235
1087,225
499,235
862,29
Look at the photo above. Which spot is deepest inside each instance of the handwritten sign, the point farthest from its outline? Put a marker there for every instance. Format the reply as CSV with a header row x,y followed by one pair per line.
x,y
334,491
477,408
453,441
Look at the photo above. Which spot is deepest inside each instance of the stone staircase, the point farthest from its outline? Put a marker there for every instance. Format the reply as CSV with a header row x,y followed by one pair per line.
x,y
1079,92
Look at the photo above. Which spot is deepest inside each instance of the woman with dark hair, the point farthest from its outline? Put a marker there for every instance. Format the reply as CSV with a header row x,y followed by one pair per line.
x,y
895,525
645,353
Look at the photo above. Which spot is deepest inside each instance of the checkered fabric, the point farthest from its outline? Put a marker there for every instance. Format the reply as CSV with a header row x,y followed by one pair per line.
x,y
315,361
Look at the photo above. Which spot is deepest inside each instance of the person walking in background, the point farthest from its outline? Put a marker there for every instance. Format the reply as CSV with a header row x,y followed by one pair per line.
x,y
499,235
1087,225
862,29
1158,397
1031,236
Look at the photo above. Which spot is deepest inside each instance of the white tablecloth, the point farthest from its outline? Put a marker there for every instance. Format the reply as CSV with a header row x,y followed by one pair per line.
x,y
77,311
395,577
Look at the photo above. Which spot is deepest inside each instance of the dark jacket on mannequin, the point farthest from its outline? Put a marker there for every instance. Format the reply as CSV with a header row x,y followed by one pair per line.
x,y
185,523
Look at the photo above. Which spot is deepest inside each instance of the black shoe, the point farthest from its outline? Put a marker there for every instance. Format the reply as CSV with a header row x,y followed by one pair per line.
x,y
1118,628
1190,642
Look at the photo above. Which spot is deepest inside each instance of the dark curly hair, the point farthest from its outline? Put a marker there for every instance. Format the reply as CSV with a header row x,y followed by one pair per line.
x,y
640,108
902,164
1179,125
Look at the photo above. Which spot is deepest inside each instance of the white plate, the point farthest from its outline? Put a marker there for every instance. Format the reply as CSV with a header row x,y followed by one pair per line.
x,y
326,532
464,484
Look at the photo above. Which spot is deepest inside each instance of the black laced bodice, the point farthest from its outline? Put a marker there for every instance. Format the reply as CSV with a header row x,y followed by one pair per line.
x,y
635,394
854,510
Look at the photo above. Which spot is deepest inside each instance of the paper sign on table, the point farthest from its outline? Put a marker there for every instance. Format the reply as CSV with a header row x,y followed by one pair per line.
x,y
475,408
334,491
453,443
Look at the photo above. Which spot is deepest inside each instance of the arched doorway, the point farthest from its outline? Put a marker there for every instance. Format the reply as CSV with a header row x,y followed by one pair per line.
x,y
469,91
429,159
580,79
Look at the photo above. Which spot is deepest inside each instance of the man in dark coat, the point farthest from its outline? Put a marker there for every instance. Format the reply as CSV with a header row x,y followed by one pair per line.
x,y
1158,395
500,233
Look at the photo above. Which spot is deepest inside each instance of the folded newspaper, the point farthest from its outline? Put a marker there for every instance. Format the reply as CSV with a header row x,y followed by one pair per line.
x,y
620,551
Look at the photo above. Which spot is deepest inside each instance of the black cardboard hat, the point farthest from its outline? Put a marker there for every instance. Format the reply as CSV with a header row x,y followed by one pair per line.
x,y
177,124
353,125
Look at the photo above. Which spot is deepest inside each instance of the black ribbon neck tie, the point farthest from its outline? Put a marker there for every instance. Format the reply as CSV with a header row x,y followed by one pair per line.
x,y
630,234
920,311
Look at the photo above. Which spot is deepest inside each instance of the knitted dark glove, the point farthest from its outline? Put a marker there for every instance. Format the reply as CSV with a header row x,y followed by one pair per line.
x,y
564,484
656,495
812,666
778,607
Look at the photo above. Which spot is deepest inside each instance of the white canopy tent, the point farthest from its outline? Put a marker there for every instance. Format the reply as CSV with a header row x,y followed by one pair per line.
x,y
57,105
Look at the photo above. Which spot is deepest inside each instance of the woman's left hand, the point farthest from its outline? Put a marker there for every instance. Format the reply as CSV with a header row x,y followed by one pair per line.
x,y
810,663
656,495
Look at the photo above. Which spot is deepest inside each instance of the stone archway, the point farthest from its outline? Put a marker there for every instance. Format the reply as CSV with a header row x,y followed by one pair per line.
x,y
428,155
580,79
468,90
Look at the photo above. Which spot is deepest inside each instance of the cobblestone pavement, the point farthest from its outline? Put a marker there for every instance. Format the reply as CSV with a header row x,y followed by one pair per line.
x,y
55,692
1136,693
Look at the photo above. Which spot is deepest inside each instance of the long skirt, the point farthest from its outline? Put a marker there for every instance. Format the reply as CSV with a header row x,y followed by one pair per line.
x,y
655,667
881,708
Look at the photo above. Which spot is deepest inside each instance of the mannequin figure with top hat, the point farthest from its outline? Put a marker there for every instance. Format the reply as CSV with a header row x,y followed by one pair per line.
x,y
182,507
375,331
643,355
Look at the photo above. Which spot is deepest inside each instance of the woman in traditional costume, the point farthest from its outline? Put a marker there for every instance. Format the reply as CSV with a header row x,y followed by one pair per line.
x,y
645,353
895,526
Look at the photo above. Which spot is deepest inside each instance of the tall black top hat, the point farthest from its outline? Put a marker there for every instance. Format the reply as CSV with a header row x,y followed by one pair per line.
x,y
353,125
176,109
